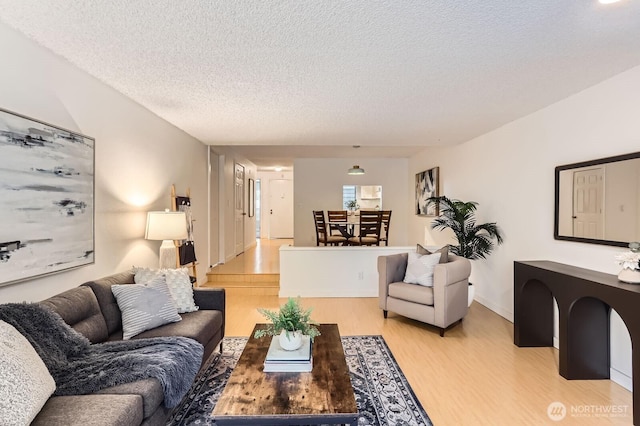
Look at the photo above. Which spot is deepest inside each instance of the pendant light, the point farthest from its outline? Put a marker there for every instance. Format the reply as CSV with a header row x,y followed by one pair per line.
x,y
356,170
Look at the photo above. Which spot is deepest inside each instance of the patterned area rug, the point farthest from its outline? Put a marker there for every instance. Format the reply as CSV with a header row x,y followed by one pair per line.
x,y
382,393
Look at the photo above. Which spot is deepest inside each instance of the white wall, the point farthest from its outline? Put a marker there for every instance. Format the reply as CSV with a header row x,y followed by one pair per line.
x,y
318,186
304,271
138,157
510,172
226,212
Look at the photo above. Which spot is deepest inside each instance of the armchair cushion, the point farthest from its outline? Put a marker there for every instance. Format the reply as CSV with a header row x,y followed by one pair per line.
x,y
412,293
420,268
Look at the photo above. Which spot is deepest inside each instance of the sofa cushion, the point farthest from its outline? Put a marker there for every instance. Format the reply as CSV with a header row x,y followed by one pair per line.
x,y
79,308
26,382
412,293
91,410
144,306
200,326
149,389
107,301
420,268
178,282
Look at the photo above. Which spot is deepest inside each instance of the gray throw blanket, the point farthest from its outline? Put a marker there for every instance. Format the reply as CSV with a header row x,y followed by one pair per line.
x,y
80,368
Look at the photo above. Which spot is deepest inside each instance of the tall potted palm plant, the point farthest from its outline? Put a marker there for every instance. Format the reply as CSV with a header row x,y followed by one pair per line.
x,y
475,241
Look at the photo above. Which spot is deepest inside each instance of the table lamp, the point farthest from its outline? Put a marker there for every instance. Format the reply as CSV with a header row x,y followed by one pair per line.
x,y
168,227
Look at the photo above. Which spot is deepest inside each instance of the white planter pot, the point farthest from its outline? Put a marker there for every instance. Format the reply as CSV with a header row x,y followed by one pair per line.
x,y
291,342
472,293
631,276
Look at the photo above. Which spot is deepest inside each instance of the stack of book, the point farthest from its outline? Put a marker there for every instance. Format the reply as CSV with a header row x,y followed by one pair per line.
x,y
279,360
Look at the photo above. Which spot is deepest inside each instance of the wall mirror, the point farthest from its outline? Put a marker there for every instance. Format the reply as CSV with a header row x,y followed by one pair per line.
x,y
367,197
598,201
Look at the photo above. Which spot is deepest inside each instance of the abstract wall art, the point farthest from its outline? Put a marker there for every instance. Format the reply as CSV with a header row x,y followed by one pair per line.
x,y
46,198
427,184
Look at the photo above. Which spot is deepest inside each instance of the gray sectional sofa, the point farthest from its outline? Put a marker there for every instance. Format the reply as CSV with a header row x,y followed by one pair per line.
x,y
91,309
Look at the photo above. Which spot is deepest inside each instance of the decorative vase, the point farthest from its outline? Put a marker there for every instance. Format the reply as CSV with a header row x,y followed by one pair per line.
x,y
291,342
631,276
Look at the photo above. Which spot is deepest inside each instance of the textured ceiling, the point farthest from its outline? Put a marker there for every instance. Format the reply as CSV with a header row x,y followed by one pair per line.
x,y
294,72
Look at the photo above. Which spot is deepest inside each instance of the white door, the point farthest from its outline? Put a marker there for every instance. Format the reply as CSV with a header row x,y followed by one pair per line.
x,y
588,203
281,208
238,196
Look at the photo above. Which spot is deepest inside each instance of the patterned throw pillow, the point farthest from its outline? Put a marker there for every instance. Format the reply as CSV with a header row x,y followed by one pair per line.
x,y
420,268
144,306
26,382
178,282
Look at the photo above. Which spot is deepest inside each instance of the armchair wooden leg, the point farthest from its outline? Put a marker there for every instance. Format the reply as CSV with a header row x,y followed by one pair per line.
x,y
384,313
442,332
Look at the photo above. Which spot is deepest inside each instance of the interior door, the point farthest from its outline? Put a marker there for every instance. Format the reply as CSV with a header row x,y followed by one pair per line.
x,y
588,203
281,208
240,213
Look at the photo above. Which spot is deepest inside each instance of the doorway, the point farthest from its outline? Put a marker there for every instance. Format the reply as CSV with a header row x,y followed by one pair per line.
x,y
280,208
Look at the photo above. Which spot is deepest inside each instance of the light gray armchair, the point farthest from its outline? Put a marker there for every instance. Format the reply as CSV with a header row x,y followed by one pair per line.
x,y
441,305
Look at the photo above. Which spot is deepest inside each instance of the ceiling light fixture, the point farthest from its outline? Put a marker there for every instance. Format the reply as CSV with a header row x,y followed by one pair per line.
x,y
356,170
278,169
608,1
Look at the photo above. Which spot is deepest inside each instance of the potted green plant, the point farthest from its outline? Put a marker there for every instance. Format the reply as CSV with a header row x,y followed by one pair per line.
x,y
475,241
351,205
290,323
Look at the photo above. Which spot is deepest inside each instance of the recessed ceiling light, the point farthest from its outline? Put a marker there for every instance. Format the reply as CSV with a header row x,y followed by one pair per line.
x,y
278,169
608,1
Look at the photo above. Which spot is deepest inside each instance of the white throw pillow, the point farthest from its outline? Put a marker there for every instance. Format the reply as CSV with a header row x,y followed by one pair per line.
x,y
144,306
26,383
178,282
420,268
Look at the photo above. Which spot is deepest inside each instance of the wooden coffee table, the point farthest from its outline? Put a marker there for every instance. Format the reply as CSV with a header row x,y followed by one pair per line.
x,y
325,395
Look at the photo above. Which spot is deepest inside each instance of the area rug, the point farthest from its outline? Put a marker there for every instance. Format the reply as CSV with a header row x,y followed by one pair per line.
x,y
382,392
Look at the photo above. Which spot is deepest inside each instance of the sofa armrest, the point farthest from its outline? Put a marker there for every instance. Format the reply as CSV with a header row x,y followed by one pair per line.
x,y
391,269
210,298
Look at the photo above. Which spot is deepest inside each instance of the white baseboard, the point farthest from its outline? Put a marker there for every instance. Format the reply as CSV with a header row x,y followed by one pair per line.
x,y
495,308
621,379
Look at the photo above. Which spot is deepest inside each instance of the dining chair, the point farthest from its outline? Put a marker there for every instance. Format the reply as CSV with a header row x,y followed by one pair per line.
x,y
386,222
321,231
337,216
369,229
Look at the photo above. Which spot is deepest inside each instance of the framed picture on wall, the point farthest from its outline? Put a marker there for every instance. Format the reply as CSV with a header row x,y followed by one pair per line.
x,y
427,184
252,198
46,198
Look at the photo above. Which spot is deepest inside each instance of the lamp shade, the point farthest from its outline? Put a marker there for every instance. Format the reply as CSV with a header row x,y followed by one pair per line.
x,y
355,170
166,226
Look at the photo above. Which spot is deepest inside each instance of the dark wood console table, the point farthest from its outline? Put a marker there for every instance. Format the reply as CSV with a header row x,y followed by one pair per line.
x,y
585,299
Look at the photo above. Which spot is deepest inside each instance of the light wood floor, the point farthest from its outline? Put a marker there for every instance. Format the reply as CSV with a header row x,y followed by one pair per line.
x,y
475,375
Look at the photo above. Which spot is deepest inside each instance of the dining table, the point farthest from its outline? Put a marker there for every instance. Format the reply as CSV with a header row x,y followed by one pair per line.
x,y
347,228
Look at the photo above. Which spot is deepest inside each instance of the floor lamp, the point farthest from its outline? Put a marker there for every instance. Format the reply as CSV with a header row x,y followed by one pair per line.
x,y
166,226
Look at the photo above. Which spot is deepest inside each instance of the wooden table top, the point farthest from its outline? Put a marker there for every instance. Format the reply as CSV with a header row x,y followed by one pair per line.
x,y
325,395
